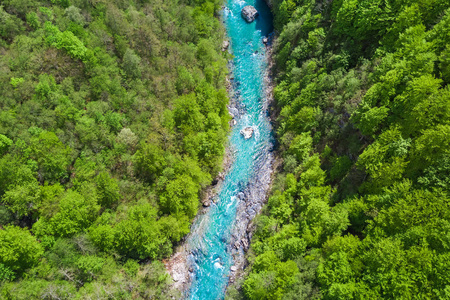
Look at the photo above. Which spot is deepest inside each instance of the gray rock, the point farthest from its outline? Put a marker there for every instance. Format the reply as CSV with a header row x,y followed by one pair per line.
x,y
269,3
237,245
233,112
249,13
247,132
244,243
265,40
225,45
233,269
207,203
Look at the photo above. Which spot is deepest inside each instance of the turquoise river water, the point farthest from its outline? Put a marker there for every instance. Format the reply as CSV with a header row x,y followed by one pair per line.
x,y
216,231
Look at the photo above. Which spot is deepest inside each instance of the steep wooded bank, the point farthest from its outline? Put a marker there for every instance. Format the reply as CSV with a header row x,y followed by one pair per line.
x,y
361,209
112,119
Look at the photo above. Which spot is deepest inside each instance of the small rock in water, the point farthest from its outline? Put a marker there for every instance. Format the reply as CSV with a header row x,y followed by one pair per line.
x,y
225,45
233,111
249,13
191,270
247,132
233,269
217,265
207,203
265,40
240,195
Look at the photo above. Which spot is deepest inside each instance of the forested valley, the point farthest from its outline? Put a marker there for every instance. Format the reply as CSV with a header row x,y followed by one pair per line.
x,y
113,119
361,207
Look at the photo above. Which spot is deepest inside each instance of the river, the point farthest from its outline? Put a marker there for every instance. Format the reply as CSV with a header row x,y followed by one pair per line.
x,y
220,236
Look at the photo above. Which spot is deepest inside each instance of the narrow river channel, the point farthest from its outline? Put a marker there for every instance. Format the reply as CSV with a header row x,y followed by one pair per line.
x,y
220,236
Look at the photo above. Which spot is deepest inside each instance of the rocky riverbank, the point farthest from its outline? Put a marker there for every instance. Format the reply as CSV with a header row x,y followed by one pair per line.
x,y
255,195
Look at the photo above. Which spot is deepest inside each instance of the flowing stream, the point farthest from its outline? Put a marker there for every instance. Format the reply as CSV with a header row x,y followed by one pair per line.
x,y
220,236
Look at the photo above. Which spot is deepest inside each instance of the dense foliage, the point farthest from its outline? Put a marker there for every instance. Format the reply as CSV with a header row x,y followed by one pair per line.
x,y
112,120
361,209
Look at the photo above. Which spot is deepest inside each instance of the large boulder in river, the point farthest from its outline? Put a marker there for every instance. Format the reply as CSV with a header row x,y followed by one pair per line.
x,y
249,13
247,132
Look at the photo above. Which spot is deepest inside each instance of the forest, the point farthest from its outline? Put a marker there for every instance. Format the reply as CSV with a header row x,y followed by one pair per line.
x,y
113,119
361,206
